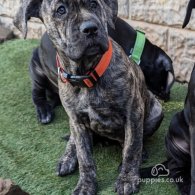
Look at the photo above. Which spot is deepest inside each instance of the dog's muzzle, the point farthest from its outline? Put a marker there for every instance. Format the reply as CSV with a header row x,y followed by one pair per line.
x,y
89,28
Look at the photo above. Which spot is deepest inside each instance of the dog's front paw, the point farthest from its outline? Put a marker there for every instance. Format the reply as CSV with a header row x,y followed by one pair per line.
x,y
66,165
45,113
86,187
127,184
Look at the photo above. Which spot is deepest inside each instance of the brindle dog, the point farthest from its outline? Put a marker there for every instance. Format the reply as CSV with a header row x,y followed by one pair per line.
x,y
118,106
155,64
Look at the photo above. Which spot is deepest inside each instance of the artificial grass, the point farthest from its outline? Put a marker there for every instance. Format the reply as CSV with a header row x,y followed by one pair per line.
x,y
29,151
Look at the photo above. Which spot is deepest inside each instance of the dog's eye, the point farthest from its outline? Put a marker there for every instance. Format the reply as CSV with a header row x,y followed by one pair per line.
x,y
93,4
61,10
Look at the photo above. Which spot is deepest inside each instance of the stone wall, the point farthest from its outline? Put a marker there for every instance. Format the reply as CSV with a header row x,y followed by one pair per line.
x,y
8,9
160,19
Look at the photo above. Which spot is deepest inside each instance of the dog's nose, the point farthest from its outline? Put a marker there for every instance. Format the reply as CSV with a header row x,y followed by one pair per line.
x,y
89,28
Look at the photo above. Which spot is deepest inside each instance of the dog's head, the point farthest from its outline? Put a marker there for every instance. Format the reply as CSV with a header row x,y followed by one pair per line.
x,y
162,72
191,5
78,28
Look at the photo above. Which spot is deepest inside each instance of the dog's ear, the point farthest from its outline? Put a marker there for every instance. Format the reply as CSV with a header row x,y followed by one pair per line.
x,y
28,9
168,65
191,5
111,7
165,61
170,81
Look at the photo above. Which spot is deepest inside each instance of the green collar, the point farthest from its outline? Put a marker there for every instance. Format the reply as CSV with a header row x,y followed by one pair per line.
x,y
138,47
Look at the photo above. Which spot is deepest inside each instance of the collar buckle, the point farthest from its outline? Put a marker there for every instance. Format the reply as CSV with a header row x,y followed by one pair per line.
x,y
58,71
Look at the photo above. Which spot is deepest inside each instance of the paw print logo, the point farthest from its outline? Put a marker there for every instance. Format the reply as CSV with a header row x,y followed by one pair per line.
x,y
160,171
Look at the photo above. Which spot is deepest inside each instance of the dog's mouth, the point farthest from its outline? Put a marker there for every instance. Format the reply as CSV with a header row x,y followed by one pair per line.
x,y
94,49
91,56
161,94
164,96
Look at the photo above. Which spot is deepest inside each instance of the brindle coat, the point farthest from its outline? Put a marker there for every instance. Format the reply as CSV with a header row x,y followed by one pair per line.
x,y
155,64
119,106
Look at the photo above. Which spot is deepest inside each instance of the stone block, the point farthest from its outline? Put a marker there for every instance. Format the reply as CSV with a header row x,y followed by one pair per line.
x,y
158,35
123,6
5,34
164,12
181,48
35,30
9,7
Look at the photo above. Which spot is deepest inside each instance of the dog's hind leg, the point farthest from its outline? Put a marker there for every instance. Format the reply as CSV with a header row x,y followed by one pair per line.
x,y
181,174
179,161
68,162
54,98
154,119
39,84
152,123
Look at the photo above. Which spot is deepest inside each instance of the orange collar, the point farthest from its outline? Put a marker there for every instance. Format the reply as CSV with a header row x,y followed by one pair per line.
x,y
92,77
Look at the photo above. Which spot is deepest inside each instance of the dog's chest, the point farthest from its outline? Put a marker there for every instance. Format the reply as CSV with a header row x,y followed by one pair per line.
x,y
106,119
101,111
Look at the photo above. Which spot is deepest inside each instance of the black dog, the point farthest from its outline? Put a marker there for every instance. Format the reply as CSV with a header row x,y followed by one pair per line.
x,y
180,140
180,143
155,64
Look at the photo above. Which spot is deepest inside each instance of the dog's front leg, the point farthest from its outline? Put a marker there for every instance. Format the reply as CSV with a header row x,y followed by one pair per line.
x,y
83,140
128,180
68,161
